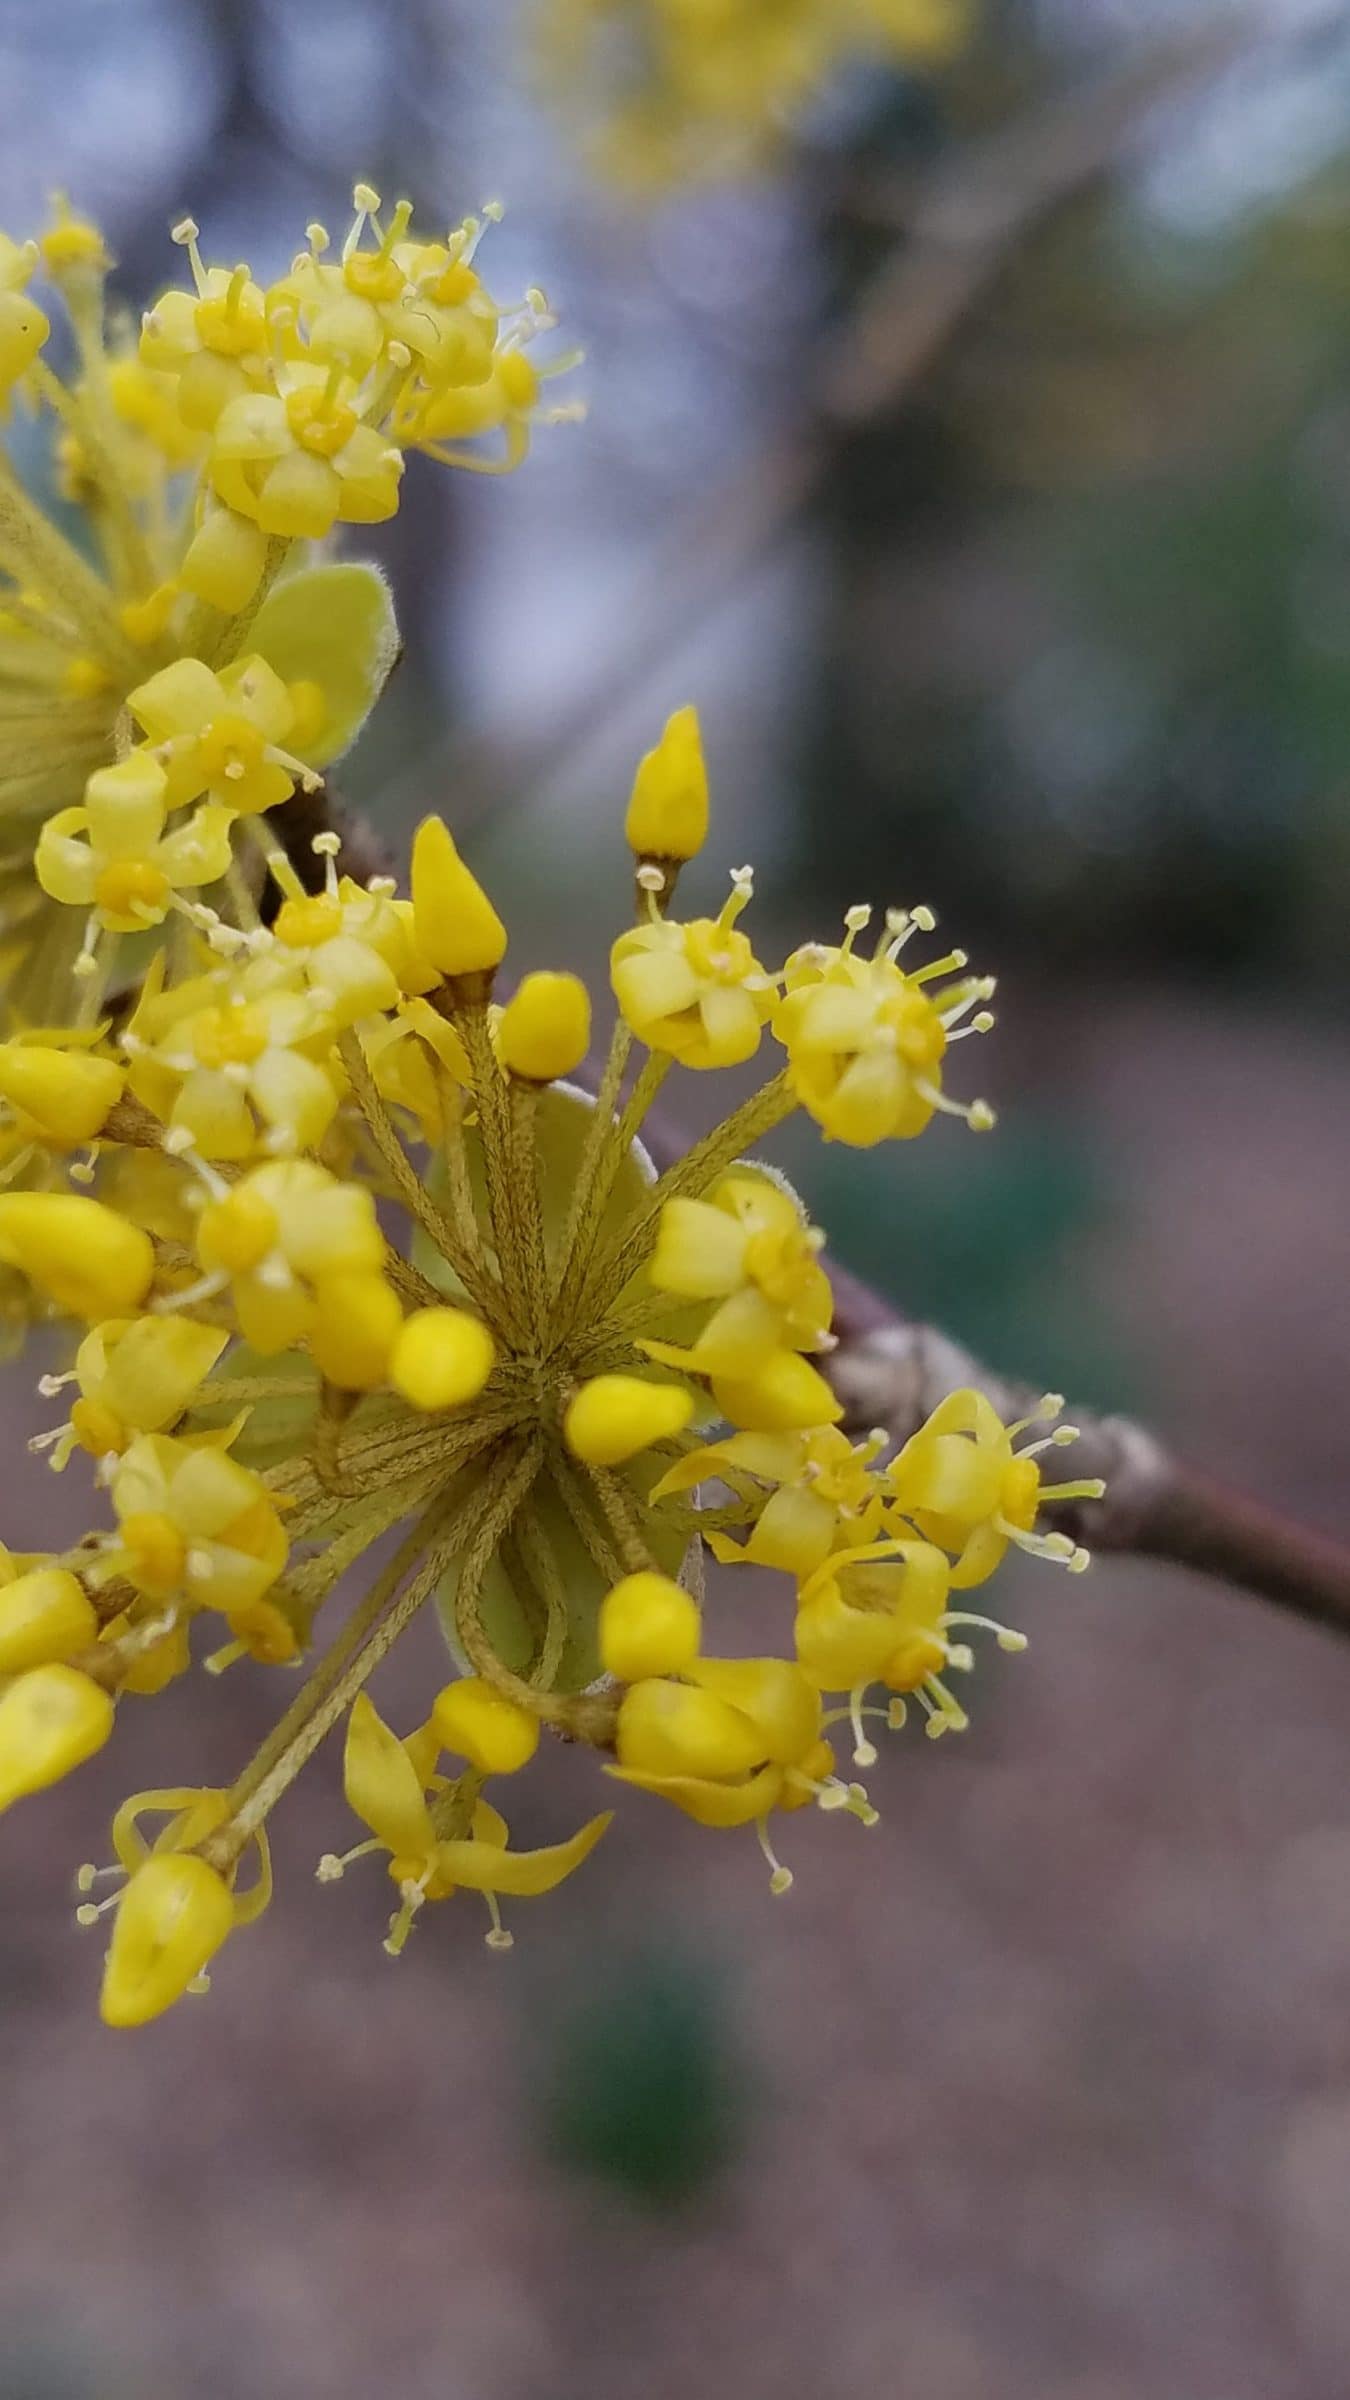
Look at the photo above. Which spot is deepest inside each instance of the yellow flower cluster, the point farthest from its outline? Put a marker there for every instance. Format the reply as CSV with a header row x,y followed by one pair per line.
x,y
694,88
181,671
553,1374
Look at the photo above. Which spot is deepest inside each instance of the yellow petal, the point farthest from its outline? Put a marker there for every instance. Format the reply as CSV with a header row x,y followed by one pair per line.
x,y
481,1867
381,1784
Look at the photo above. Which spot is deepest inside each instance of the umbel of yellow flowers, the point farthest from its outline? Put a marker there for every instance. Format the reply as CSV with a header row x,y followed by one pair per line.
x,y
551,1375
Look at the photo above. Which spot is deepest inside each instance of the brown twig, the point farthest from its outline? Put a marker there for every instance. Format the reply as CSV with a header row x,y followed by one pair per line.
x,y
891,1372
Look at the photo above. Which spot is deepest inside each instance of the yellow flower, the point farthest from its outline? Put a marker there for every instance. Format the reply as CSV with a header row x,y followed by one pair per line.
x,y
176,1909
114,857
823,1494
385,1781
221,734
232,1062
696,990
749,1247
138,1375
730,1742
960,1481
195,1526
866,1042
212,339
282,1234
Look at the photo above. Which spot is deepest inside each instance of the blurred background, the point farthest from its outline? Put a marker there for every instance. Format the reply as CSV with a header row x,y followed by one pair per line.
x,y
970,436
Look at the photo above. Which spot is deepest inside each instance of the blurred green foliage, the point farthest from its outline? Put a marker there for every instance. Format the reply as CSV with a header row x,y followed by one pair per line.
x,y
639,2082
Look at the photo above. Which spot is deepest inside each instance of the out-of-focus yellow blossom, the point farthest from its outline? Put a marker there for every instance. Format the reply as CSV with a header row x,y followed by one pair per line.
x,y
23,326
670,91
232,1072
282,1238
367,1275
135,1375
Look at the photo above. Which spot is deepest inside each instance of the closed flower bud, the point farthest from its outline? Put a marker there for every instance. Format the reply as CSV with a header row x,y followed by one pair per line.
x,y
457,928
356,1329
545,1028
668,812
224,560
90,1261
173,1916
67,1095
51,1720
493,1733
44,1616
441,1358
649,1625
612,1417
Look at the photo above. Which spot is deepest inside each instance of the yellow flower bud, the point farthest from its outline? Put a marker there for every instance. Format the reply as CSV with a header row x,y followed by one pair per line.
x,y
441,1358
612,1417
786,1392
83,1256
44,1616
224,560
668,812
545,1028
173,1916
51,1720
358,1324
649,1626
456,926
495,1734
66,1094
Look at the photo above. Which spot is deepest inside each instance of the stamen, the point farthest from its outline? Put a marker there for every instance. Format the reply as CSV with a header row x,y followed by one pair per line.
x,y
499,1938
185,233
780,1877
864,1752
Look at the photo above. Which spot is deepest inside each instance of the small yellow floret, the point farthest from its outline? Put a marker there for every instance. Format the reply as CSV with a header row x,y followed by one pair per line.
x,y
457,928
667,816
44,1616
83,1256
173,1916
612,1417
649,1625
545,1028
495,1734
51,1720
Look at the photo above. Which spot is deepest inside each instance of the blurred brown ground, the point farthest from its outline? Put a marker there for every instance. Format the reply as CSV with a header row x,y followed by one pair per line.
x,y
1055,2063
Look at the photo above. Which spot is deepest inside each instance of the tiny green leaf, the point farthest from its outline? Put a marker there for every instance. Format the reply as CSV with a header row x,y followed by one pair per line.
x,y
333,626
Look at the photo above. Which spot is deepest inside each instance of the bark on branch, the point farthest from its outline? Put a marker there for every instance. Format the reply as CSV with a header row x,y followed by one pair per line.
x,y
890,1371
